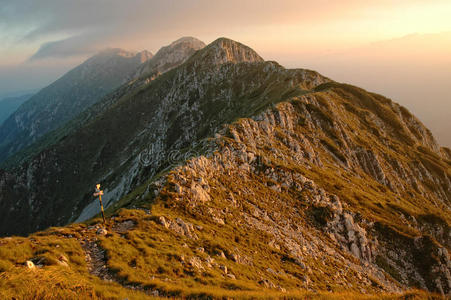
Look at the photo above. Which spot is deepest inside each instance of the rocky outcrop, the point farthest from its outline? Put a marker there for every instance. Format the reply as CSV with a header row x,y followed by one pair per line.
x,y
179,226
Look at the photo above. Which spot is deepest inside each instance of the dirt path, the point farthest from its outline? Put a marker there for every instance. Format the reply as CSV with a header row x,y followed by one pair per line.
x,y
96,260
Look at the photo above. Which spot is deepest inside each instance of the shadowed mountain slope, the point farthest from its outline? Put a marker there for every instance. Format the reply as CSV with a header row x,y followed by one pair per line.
x,y
167,58
68,96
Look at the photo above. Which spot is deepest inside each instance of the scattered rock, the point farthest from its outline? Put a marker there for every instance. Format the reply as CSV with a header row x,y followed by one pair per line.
x,y
30,265
155,293
162,221
102,231
355,250
196,263
179,226
178,189
199,194
124,227
267,283
235,257
223,268
63,261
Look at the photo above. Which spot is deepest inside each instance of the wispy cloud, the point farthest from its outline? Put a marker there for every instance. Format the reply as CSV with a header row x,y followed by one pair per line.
x,y
78,45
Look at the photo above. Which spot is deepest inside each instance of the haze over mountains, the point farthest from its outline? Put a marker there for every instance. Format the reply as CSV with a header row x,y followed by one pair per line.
x,y
9,105
226,175
64,99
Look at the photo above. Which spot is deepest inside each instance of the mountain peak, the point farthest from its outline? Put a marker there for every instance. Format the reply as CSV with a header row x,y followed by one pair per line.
x,y
224,50
144,56
189,40
115,52
171,56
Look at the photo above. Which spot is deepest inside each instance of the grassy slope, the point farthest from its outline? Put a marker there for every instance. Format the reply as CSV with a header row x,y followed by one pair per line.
x,y
155,254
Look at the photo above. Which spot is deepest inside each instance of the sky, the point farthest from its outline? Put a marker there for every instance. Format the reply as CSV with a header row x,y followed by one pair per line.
x,y
400,49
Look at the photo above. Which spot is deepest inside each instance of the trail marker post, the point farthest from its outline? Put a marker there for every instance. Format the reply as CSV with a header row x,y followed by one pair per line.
x,y
99,193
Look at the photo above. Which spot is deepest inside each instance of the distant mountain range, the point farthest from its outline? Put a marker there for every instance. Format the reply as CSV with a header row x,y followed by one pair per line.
x,y
10,104
64,99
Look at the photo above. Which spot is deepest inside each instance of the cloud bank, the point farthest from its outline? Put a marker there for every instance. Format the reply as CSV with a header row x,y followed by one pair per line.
x,y
78,45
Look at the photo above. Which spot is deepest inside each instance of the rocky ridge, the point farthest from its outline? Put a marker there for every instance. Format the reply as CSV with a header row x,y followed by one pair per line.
x,y
167,58
268,157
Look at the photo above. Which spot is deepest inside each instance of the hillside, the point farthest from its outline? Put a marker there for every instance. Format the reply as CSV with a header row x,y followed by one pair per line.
x,y
229,176
68,96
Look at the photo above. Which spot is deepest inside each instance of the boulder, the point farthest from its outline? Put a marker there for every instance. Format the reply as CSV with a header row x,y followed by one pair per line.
x,y
30,265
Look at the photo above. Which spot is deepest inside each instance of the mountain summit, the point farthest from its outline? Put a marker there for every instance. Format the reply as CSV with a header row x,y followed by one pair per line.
x,y
224,50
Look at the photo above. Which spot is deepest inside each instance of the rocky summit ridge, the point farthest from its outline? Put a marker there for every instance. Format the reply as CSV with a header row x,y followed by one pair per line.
x,y
231,176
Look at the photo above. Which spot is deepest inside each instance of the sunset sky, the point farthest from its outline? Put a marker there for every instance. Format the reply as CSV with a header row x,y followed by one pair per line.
x,y
401,49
